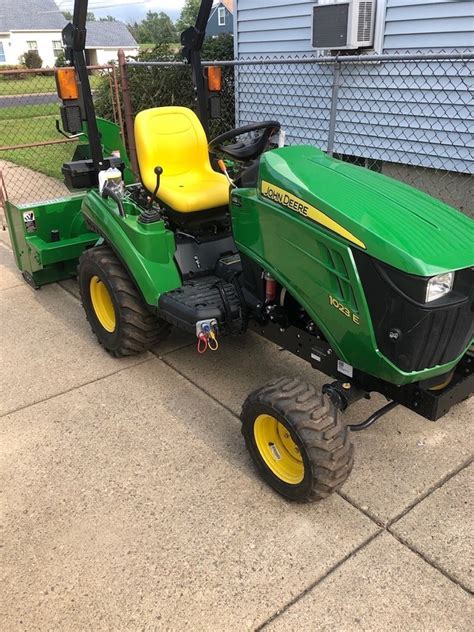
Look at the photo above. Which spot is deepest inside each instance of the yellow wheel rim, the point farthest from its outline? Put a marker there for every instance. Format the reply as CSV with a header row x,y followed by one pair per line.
x,y
102,304
278,450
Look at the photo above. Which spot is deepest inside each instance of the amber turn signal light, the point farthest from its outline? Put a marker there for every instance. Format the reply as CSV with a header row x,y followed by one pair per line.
x,y
214,78
66,84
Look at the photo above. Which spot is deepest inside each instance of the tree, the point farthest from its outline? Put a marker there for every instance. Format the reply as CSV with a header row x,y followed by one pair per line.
x,y
188,15
220,47
156,28
60,60
133,28
152,87
108,18
31,59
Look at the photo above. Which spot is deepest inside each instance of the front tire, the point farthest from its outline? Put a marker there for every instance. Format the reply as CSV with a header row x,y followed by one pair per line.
x,y
117,313
297,441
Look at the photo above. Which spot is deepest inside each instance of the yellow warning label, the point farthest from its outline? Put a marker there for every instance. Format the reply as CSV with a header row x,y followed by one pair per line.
x,y
282,197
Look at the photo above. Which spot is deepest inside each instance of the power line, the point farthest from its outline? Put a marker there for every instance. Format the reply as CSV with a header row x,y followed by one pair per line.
x,y
67,5
101,5
93,8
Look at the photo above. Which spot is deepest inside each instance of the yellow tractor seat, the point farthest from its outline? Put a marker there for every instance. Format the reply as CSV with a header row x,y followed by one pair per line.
x,y
174,139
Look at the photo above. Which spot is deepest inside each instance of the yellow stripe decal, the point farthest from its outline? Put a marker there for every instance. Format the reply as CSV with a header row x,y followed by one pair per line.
x,y
282,197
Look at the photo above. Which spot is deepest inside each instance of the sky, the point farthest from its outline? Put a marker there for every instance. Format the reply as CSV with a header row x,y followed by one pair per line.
x,y
127,10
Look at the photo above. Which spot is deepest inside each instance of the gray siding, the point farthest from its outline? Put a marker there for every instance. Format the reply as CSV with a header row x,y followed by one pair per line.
x,y
273,27
418,114
281,27
429,25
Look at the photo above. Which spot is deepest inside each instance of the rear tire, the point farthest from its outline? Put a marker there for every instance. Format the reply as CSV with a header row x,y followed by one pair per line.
x,y
117,313
297,441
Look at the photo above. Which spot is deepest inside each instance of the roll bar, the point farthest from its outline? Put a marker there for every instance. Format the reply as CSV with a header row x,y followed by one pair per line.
x,y
74,39
192,40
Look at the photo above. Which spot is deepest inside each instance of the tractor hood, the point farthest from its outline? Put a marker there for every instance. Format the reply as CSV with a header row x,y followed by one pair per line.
x,y
391,221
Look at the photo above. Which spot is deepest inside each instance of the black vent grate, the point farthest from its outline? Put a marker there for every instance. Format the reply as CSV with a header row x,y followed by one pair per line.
x,y
413,335
365,20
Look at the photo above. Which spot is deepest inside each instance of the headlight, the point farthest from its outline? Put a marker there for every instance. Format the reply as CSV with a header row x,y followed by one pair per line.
x,y
439,286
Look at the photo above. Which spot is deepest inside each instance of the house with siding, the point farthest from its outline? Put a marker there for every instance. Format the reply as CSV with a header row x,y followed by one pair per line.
x,y
400,115
37,25
221,19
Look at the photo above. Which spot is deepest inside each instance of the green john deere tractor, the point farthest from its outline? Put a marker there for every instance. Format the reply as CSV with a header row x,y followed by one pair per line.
x,y
368,280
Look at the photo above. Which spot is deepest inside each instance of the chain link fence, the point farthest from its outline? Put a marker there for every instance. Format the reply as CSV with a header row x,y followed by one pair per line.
x,y
32,149
407,116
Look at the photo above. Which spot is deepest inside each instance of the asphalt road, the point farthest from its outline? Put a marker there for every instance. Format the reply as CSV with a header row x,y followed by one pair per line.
x,y
28,99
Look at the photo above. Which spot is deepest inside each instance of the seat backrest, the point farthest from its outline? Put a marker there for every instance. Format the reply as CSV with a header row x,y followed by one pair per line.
x,y
172,138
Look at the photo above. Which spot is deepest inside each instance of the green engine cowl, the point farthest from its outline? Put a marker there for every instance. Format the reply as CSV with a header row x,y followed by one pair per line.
x,y
356,249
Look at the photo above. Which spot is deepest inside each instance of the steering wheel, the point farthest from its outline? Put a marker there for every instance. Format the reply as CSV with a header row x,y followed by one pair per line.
x,y
249,150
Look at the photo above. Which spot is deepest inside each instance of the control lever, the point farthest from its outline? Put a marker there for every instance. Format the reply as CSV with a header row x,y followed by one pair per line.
x,y
223,168
108,192
158,173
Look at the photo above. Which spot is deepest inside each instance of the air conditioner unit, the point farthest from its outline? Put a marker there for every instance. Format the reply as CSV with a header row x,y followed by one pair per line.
x,y
343,24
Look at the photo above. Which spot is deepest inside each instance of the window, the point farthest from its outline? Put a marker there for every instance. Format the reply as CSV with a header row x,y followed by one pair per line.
x,y
32,45
57,48
221,16
2,53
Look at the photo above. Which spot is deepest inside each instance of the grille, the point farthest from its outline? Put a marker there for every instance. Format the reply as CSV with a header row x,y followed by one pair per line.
x,y
342,287
427,336
365,20
442,338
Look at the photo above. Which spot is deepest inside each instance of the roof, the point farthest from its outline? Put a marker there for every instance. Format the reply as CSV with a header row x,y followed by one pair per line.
x,y
38,15
229,4
30,15
105,33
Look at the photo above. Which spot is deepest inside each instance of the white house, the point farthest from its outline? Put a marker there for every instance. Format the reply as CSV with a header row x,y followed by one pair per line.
x,y
37,25
104,39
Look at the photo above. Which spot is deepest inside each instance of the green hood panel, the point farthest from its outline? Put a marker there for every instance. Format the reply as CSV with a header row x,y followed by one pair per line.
x,y
398,224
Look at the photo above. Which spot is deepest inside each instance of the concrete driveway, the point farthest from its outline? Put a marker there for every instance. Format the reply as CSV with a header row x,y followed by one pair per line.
x,y
129,502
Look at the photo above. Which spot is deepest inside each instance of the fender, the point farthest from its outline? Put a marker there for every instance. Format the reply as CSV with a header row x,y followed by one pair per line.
x,y
147,249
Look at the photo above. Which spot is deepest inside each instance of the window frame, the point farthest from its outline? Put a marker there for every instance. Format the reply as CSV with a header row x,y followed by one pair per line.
x,y
221,16
3,57
57,49
35,47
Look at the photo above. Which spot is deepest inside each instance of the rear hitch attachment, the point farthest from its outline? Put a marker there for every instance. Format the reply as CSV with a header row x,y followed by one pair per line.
x,y
206,332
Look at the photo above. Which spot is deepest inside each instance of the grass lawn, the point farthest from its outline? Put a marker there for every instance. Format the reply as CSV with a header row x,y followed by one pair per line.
x,y
27,126
32,84
27,112
148,47
24,124
28,85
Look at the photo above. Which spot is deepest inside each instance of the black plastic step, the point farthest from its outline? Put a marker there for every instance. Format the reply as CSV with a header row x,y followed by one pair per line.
x,y
202,299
